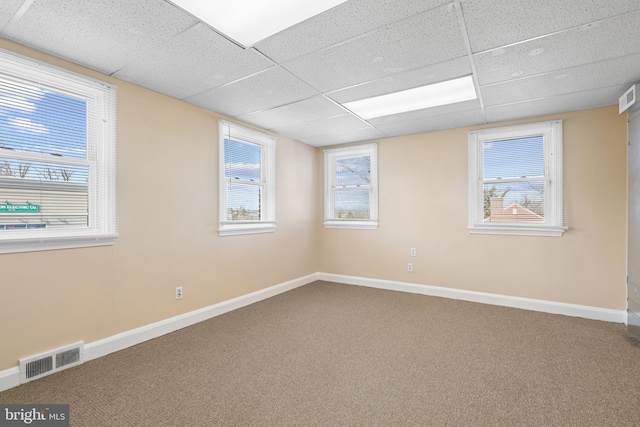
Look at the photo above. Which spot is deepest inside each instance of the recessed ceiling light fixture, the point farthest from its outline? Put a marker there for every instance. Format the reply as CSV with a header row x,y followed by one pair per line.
x,y
434,95
249,21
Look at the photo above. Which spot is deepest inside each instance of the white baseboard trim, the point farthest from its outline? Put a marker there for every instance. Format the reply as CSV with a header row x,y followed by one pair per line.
x,y
10,378
136,336
574,310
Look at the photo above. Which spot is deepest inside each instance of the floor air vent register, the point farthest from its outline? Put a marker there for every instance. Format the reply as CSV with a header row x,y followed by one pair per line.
x,y
47,363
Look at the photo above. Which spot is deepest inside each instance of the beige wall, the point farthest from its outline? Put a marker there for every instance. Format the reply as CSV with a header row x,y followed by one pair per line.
x,y
167,203
423,204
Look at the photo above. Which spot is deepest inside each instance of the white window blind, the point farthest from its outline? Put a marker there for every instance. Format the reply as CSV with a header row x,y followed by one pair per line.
x,y
353,188
514,178
57,158
247,181
245,184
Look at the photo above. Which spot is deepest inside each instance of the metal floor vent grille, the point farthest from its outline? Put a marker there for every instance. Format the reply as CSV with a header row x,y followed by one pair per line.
x,y
39,365
67,357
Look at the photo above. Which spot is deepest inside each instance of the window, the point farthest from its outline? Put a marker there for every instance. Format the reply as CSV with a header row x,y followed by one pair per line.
x,y
247,181
515,180
351,187
57,158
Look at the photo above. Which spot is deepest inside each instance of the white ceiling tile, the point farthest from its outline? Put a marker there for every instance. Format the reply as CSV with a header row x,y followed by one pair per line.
x,y
427,112
557,104
584,77
8,10
104,35
298,112
564,54
433,123
425,39
190,63
494,23
562,50
340,23
355,135
423,76
338,124
271,88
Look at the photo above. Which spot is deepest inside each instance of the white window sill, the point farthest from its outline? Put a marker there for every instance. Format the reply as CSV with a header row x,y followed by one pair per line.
x,y
352,224
516,230
238,228
53,243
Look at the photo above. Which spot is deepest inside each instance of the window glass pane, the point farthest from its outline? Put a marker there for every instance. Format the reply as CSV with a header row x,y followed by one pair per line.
x,y
42,195
514,158
29,171
353,172
352,203
42,121
242,160
243,202
514,202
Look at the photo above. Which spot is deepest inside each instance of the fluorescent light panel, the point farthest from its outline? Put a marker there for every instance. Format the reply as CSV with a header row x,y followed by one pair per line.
x,y
443,93
249,21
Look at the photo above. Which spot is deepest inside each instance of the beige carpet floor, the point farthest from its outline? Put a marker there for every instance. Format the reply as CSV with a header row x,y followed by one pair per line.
x,y
328,354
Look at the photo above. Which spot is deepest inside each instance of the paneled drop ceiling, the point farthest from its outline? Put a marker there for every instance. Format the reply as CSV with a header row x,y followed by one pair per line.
x,y
527,58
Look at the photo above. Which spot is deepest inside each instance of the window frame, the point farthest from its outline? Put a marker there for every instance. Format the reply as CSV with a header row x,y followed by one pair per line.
x,y
551,132
267,222
101,157
331,156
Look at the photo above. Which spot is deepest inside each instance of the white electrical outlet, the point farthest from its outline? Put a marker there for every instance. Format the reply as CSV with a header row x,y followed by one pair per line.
x,y
410,268
413,252
179,292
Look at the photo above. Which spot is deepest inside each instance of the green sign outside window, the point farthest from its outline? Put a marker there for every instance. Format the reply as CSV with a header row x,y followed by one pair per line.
x,y
19,208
